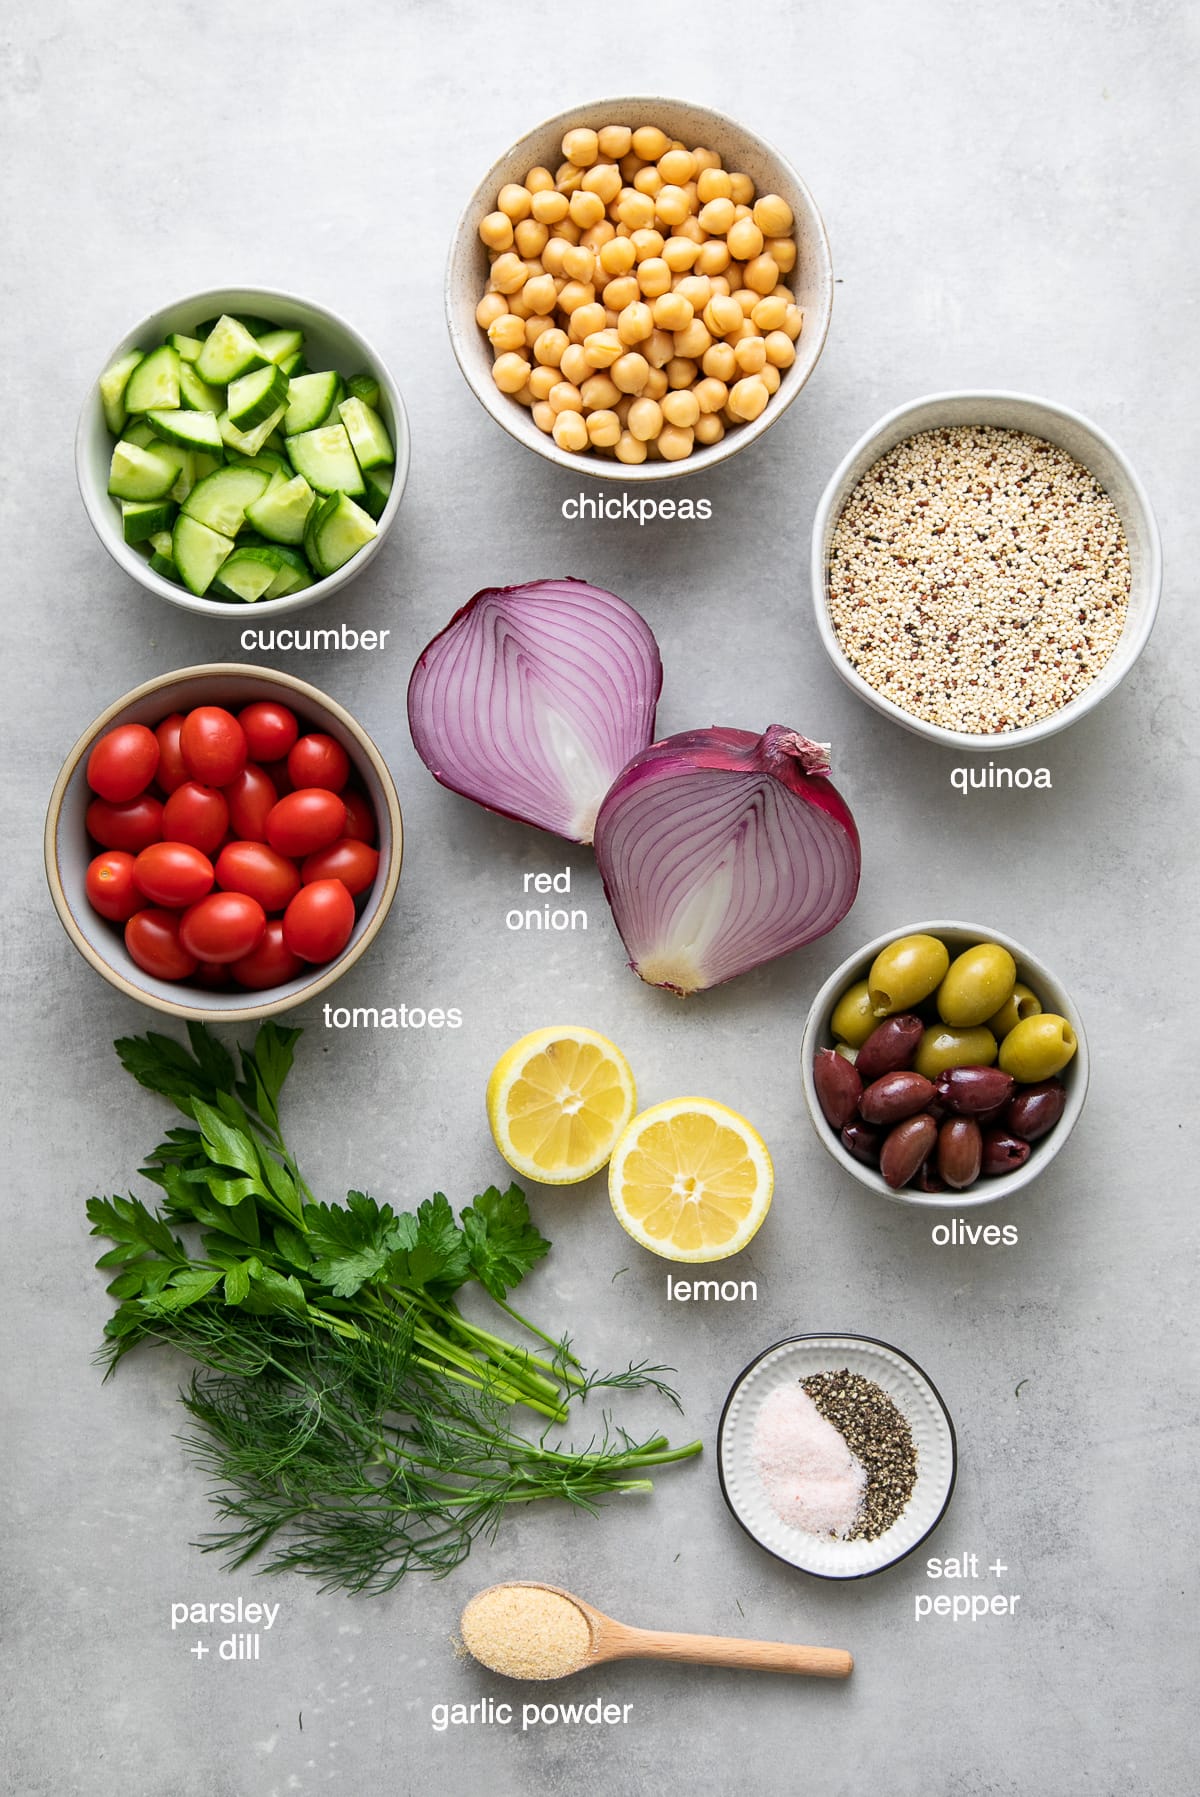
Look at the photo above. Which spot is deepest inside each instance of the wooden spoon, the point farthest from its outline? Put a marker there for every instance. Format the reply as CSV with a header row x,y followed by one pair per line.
x,y
612,1640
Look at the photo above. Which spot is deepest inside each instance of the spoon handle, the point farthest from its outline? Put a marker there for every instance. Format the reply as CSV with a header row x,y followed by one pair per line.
x,y
723,1650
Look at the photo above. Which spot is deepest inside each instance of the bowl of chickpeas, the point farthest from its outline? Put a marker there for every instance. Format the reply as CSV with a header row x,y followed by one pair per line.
x,y
639,288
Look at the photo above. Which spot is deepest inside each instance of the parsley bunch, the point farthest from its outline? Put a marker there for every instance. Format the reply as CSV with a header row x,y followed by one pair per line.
x,y
348,1412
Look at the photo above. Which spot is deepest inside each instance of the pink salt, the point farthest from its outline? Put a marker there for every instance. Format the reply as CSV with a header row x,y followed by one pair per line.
x,y
812,1480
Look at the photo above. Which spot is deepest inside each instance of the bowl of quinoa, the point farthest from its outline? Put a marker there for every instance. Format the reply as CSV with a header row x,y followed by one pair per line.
x,y
986,568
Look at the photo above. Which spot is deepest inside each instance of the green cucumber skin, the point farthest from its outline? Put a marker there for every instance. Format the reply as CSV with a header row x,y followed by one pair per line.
x,y
364,386
336,531
142,474
229,350
379,487
198,553
368,434
252,397
113,382
220,499
187,430
326,460
311,399
143,519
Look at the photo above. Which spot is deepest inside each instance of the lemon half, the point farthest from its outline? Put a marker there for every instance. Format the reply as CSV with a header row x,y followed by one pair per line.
x,y
557,1102
691,1180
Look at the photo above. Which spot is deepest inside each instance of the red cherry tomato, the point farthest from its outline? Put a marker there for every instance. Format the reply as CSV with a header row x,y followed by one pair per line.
x,y
132,826
270,964
279,777
318,760
355,864
152,938
360,817
213,745
306,820
123,763
319,922
173,873
251,796
171,771
110,886
196,814
256,868
222,927
271,729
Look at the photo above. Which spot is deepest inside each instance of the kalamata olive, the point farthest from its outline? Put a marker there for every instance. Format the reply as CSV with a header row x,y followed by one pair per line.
x,y
929,1179
905,1150
891,1046
986,1119
838,1087
893,1097
1002,1153
971,1090
1038,1048
862,1142
960,1152
1033,1111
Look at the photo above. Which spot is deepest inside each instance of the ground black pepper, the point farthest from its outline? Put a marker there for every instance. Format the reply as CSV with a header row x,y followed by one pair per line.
x,y
878,1434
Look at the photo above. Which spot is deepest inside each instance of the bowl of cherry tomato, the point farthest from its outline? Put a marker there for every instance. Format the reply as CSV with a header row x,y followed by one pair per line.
x,y
223,842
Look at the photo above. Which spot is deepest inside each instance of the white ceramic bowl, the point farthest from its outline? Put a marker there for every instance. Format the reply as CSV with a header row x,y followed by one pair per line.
x,y
68,848
1040,418
329,343
739,149
1033,973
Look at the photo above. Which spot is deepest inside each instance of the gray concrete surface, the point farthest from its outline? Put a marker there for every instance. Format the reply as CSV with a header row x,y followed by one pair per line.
x,y
1005,191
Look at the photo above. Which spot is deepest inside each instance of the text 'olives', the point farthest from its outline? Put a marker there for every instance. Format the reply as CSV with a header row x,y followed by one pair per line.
x,y
973,1091
960,1152
838,1087
905,1149
891,1046
893,1097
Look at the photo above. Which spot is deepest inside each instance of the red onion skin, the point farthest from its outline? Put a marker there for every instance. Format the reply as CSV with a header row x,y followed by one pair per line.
x,y
612,630
780,755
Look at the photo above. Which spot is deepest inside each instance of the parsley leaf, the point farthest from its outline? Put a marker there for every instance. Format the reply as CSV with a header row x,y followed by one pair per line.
x,y
502,1239
352,1244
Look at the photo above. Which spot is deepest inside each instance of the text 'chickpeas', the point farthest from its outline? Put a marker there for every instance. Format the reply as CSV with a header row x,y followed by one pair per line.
x,y
637,301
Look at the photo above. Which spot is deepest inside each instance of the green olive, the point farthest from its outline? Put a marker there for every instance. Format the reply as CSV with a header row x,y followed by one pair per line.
x,y
853,1019
1021,1003
979,981
905,972
943,1046
1038,1048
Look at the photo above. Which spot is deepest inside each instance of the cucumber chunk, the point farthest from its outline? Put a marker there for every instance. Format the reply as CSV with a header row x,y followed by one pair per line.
x,y
136,473
326,460
142,519
249,321
196,394
229,350
280,346
282,511
294,574
379,485
269,460
191,430
154,383
139,432
364,386
249,572
186,348
253,397
248,443
367,433
187,474
311,398
113,383
164,565
294,366
198,553
220,499
336,531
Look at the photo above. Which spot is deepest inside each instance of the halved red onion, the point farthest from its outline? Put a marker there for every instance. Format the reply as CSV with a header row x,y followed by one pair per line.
x,y
720,850
533,699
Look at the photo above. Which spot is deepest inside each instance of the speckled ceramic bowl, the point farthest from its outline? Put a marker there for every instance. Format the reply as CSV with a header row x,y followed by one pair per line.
x,y
739,148
1033,973
68,848
330,343
1055,424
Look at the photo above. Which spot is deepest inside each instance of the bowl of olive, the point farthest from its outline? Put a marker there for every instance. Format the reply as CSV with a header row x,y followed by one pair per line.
x,y
944,1065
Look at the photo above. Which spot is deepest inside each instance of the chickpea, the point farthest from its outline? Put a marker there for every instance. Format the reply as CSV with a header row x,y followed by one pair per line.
x,y
696,288
579,263
510,372
656,384
570,432
793,323
543,416
515,201
540,294
565,396
705,159
712,184
629,372
496,231
551,347
508,332
716,216
693,340
779,350
773,215
679,253
741,190
708,429
671,205
621,292
677,167
745,240
635,209
581,147
586,321
575,365
602,348
508,273
519,306
645,419
714,257
675,443
549,207
647,244
671,312
532,239
682,372
568,178
629,449
490,307
693,230
586,209
618,255
770,378
653,277
710,394
746,298
552,256
614,141
658,348
542,380
574,294
650,143
622,408
681,407
722,315
748,397
769,313
568,230
719,362
596,236
604,180
536,327
635,322
739,213
648,181
762,274
539,180
603,429
750,353
782,251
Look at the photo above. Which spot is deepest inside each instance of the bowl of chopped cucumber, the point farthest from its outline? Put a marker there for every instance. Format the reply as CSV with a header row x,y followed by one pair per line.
x,y
242,447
